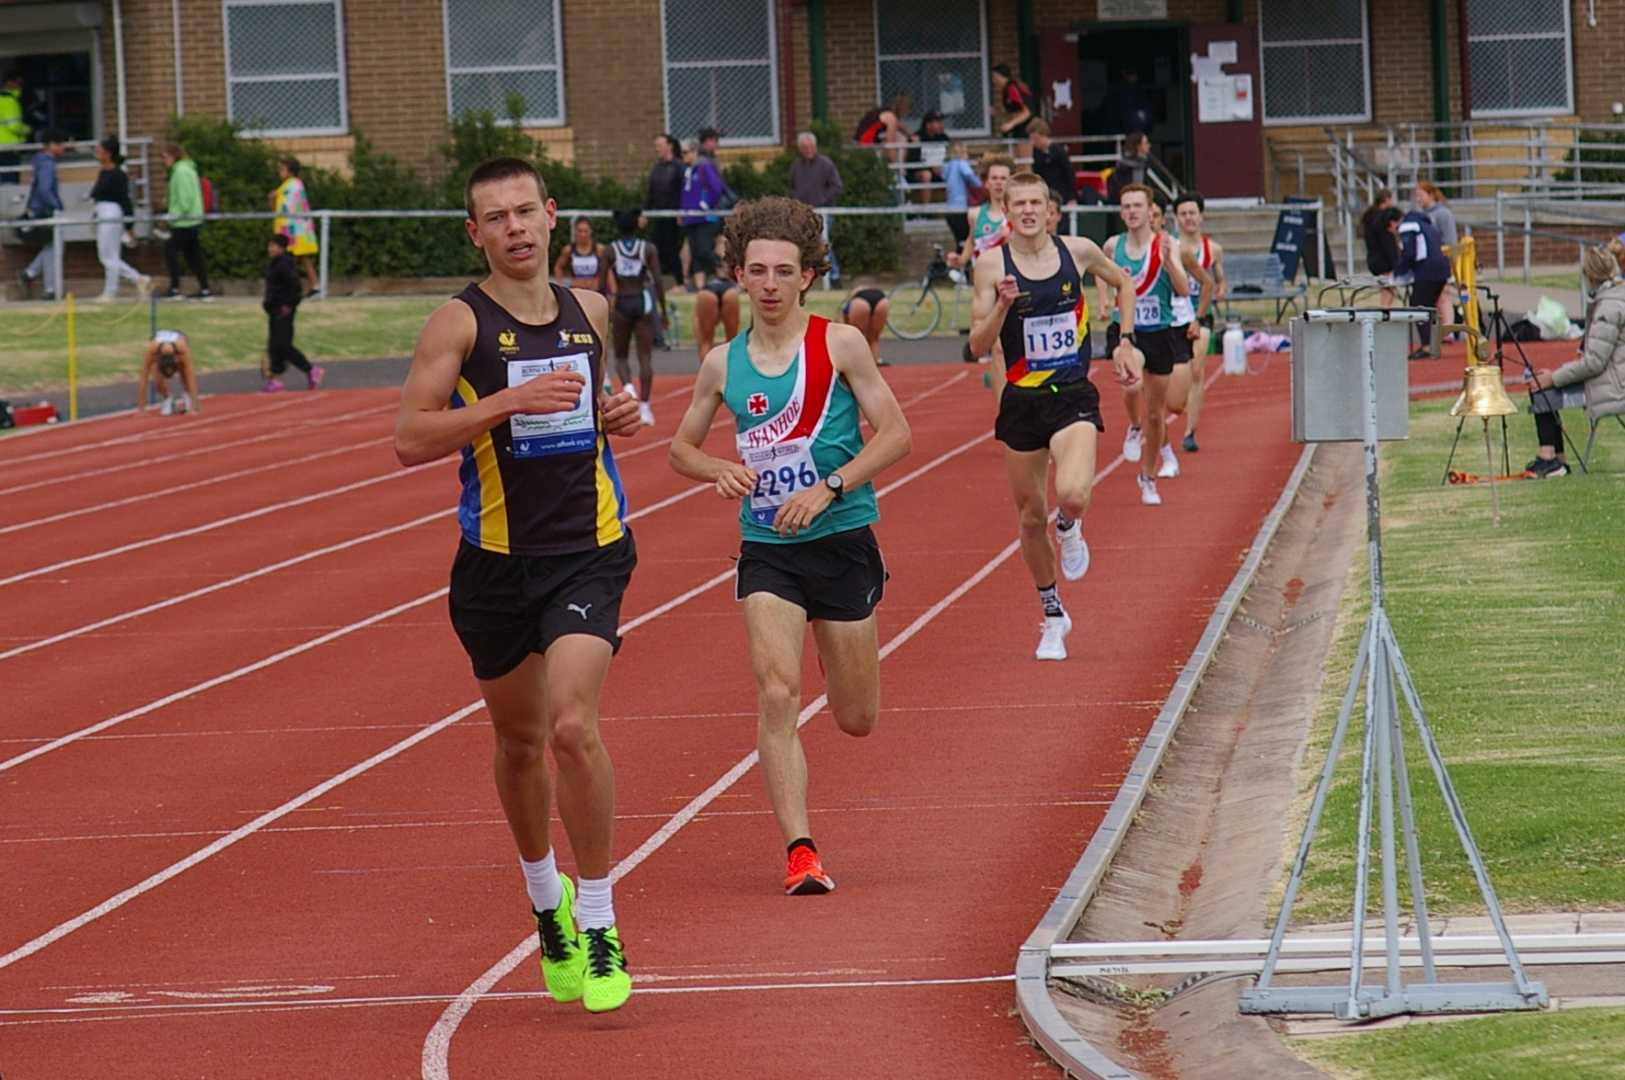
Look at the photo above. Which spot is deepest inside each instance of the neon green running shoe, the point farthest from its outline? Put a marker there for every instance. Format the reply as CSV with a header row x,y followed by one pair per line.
x,y
563,959
607,983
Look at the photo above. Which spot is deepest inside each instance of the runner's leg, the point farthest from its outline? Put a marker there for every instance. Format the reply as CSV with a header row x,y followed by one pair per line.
x,y
1028,471
850,652
620,333
517,704
877,326
644,329
776,629
705,321
1155,427
574,672
1073,448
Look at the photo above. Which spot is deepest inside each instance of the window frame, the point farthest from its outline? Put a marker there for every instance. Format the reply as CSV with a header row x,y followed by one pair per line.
x,y
769,8
984,66
1328,118
342,72
1474,113
556,66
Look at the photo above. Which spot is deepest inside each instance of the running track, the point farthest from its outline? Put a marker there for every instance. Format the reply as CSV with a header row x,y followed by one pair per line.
x,y
247,826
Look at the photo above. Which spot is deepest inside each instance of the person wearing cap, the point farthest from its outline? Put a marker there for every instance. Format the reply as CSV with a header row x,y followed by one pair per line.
x,y
167,355
933,148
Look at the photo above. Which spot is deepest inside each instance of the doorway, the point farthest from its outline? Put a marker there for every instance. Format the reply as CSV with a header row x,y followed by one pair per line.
x,y
1137,78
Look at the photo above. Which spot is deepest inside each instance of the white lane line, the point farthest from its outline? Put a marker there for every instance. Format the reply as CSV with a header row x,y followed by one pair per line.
x,y
237,835
176,432
81,1014
141,462
437,1045
221,523
218,680
193,486
113,620
46,429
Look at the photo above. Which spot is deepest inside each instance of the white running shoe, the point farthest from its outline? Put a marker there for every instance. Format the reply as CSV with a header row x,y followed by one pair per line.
x,y
1052,645
1170,464
1131,445
630,389
646,414
183,402
1074,551
168,407
1148,492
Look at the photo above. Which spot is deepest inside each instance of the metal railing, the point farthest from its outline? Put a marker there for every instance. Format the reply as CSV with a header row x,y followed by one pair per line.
x,y
904,170
79,158
62,223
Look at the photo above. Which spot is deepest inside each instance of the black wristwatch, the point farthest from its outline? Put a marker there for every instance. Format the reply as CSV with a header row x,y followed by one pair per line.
x,y
836,483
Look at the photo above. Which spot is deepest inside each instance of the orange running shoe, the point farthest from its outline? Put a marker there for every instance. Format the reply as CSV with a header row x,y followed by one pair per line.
x,y
805,876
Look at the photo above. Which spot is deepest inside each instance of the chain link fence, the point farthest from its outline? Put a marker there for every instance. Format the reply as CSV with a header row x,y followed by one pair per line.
x,y
498,48
284,67
933,52
1518,54
721,70
1314,60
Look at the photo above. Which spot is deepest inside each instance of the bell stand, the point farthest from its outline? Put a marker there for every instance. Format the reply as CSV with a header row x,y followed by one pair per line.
x,y
1378,665
1476,343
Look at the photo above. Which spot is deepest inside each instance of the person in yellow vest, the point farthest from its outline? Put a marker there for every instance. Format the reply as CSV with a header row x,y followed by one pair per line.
x,y
291,203
14,129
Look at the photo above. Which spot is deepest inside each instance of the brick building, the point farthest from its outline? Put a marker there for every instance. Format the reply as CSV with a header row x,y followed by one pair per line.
x,y
600,79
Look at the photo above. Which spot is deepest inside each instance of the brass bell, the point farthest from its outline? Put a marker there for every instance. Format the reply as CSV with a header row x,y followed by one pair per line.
x,y
1482,393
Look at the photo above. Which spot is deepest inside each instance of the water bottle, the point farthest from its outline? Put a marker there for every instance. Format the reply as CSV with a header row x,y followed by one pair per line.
x,y
1235,353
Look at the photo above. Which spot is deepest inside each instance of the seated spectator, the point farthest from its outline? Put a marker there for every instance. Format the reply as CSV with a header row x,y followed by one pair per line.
x,y
167,355
1595,379
883,126
933,149
866,309
718,301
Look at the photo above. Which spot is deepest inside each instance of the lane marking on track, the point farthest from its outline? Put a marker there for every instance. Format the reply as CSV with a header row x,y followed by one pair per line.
x,y
46,429
221,523
92,1013
179,431
193,486
117,901
144,462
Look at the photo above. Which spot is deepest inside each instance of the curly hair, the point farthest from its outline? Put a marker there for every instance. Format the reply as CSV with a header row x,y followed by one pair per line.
x,y
775,217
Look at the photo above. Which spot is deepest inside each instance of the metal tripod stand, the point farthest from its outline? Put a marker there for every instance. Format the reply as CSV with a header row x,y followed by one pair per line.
x,y
1378,666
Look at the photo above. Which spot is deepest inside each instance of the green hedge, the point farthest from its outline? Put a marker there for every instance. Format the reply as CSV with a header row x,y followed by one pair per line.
x,y
243,171
1600,166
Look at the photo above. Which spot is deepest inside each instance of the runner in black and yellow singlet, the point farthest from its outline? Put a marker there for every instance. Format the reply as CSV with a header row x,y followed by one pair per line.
x,y
507,374
1031,301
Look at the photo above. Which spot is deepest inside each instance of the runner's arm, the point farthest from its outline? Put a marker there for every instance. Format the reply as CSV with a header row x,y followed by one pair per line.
x,y
652,262
561,265
1193,268
149,361
1103,290
188,373
733,479
994,292
1173,259
1221,287
426,429
617,413
892,440
1091,259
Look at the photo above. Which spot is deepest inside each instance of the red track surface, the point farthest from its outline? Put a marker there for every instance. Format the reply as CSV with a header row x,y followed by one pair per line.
x,y
329,939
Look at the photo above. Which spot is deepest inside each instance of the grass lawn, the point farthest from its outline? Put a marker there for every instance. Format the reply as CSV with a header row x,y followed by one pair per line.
x,y
1575,1044
1514,636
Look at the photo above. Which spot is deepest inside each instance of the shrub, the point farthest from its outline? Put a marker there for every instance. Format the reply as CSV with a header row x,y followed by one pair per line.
x,y
1601,166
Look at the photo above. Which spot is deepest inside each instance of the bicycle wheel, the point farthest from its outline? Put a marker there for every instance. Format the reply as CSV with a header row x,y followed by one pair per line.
x,y
915,311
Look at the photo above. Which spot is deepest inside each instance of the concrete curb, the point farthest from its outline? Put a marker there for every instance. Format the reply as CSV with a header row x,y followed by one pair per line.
x,y
1044,1021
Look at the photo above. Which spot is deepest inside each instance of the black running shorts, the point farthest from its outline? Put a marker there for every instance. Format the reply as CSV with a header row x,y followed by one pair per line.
x,y
505,607
1029,416
836,578
1159,347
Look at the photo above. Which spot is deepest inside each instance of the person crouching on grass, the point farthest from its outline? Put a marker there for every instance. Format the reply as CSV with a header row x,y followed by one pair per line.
x,y
282,295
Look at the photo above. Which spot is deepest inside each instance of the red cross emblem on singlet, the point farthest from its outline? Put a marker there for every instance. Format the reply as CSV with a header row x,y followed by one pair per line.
x,y
757,404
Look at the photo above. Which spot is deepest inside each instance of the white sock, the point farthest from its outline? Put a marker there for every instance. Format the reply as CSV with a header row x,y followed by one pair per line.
x,y
595,904
542,882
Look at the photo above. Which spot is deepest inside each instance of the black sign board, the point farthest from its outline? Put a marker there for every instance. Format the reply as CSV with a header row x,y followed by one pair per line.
x,y
1297,238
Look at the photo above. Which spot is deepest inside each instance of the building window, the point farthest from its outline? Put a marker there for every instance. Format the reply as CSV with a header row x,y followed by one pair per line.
x,y
721,65
496,49
1316,61
1519,59
934,52
285,67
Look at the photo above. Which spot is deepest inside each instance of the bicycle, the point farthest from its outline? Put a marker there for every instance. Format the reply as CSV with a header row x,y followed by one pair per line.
x,y
916,309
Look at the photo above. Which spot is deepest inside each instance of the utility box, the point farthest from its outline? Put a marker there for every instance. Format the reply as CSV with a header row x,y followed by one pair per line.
x,y
1328,378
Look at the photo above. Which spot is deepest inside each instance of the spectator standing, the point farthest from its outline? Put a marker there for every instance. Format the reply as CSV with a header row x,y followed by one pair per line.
x,y
1381,253
702,192
282,296
666,193
111,195
1052,164
185,220
44,200
1421,256
1431,201
1017,102
816,181
13,128
959,175
1128,106
292,204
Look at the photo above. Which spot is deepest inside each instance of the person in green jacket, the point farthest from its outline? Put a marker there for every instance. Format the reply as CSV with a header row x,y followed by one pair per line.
x,y
185,219
13,129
